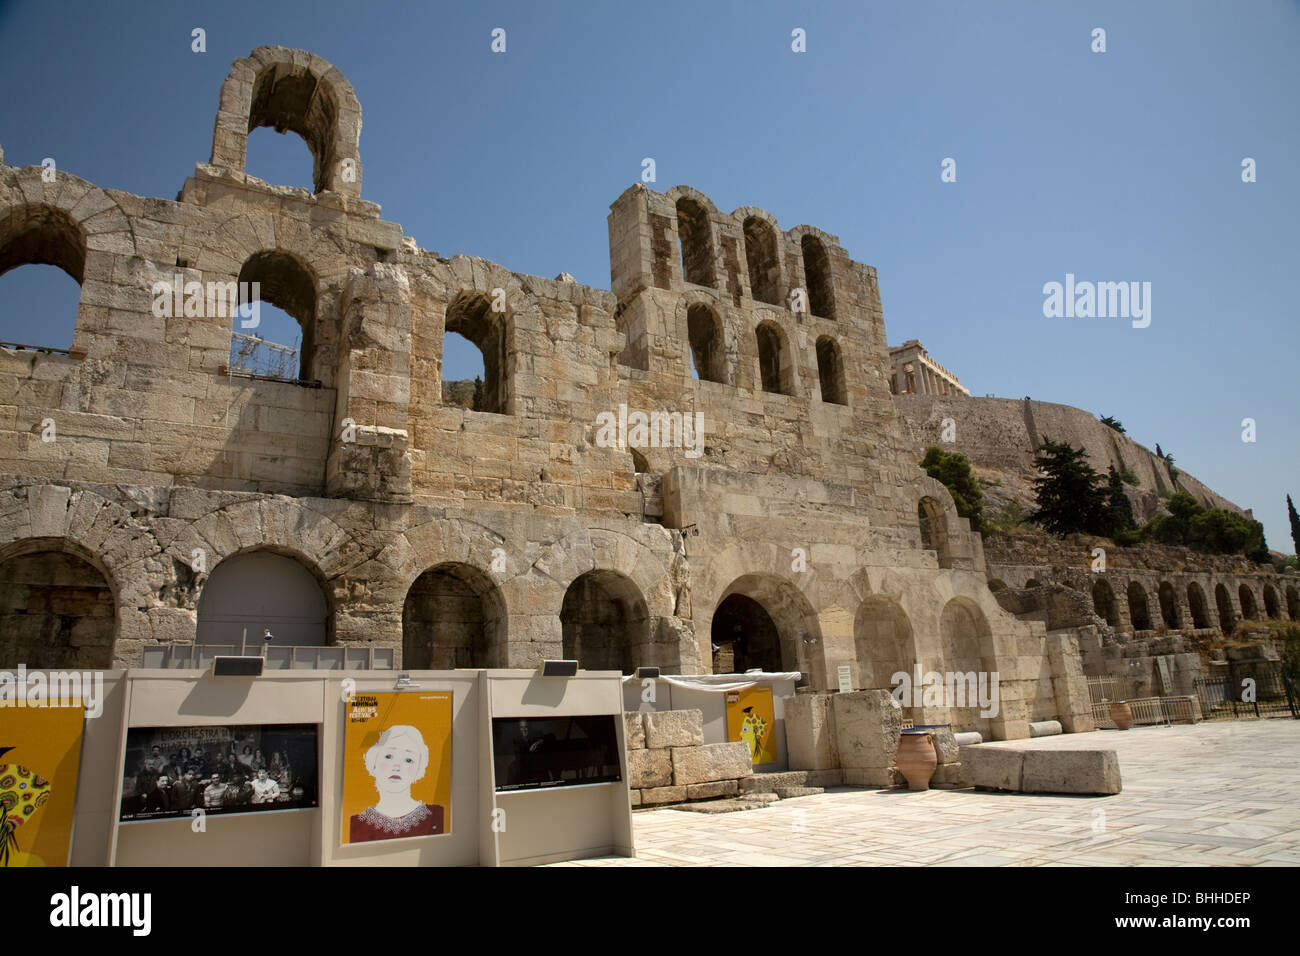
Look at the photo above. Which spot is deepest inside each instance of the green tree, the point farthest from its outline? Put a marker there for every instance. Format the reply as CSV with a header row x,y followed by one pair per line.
x,y
1119,510
954,471
1068,491
478,394
1295,524
1112,422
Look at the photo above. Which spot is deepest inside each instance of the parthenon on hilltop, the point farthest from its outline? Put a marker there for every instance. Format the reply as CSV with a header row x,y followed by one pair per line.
x,y
184,496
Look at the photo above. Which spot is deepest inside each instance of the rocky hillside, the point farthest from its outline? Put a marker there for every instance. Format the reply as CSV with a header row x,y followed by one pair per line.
x,y
998,435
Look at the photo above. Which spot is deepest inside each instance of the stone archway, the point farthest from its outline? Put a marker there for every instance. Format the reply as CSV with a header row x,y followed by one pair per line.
x,y
1246,596
967,642
1139,610
453,616
1199,608
1169,606
605,623
744,637
57,608
883,642
1223,603
252,591
1271,605
797,632
1103,602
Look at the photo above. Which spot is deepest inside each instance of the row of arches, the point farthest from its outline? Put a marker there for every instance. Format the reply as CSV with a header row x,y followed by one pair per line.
x,y
1198,612
57,610
776,364
699,255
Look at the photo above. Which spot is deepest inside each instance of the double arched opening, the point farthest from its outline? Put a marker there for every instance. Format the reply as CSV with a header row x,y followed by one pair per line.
x,y
453,616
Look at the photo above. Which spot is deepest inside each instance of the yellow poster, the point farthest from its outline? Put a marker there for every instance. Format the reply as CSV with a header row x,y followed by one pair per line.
x,y
40,754
750,718
396,765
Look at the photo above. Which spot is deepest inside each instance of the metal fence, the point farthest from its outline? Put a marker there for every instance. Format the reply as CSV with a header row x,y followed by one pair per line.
x,y
249,353
200,656
1261,690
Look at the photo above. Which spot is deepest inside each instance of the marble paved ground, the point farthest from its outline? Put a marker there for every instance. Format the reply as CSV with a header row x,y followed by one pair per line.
x,y
1213,794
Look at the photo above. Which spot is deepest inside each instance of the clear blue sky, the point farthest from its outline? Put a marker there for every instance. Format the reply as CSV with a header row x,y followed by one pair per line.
x,y
1116,166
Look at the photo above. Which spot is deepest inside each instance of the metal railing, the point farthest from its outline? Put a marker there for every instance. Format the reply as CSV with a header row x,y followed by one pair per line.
x,y
1262,690
200,656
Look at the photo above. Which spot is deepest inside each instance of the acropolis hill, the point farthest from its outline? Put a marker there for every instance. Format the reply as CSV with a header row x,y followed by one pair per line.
x,y
179,500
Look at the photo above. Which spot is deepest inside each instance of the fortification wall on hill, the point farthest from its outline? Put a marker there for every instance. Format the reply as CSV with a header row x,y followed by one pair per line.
x,y
998,435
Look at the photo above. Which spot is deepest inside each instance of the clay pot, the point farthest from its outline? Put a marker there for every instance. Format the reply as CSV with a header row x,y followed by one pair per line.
x,y
1121,714
916,758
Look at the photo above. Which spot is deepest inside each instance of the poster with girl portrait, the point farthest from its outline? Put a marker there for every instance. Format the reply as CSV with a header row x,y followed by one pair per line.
x,y
396,765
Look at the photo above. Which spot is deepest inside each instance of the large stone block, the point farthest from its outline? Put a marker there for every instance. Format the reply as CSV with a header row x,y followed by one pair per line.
x,y
658,795
867,725
711,762
649,768
674,728
633,729
810,732
1071,771
992,768
706,791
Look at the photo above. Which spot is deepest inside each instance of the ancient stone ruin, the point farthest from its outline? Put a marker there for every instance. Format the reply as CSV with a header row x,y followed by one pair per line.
x,y
701,468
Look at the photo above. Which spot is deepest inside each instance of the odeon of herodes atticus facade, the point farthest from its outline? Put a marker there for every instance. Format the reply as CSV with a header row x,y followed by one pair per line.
x,y
151,496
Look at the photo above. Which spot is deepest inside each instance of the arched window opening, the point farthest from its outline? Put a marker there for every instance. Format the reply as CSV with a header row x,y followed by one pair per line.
x,y
817,271
696,240
774,367
1139,611
470,316
1103,602
40,304
250,592
1271,607
1227,615
761,258
708,357
289,97
273,332
830,371
283,160
1248,607
934,530
1169,606
1196,603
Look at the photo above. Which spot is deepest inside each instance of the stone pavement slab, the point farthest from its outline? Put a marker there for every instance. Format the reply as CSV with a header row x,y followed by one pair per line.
x,y
1210,794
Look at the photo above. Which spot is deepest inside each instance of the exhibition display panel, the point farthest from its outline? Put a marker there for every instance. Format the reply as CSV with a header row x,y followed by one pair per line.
x,y
438,768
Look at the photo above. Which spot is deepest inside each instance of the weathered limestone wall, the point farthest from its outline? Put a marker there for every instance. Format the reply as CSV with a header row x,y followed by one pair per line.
x,y
803,496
